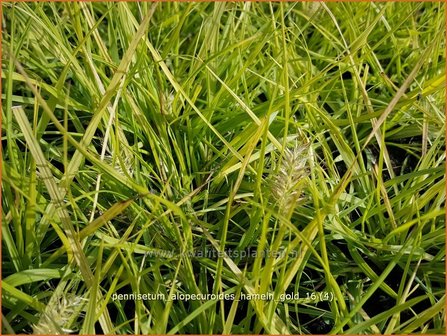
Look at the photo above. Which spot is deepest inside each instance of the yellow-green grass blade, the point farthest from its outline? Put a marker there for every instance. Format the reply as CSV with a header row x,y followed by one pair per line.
x,y
57,199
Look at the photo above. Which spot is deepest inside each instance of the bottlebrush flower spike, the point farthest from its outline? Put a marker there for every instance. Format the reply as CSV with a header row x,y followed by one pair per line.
x,y
289,180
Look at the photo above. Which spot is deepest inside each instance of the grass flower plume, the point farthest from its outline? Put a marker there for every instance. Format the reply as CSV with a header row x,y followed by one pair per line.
x,y
55,319
289,180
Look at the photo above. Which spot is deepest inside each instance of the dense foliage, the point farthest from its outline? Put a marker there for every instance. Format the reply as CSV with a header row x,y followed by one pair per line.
x,y
225,153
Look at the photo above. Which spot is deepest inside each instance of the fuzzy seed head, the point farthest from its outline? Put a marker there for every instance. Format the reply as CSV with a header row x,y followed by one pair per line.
x,y
54,321
288,182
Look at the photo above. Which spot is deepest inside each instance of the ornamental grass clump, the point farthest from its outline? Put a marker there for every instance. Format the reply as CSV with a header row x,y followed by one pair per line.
x,y
136,133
